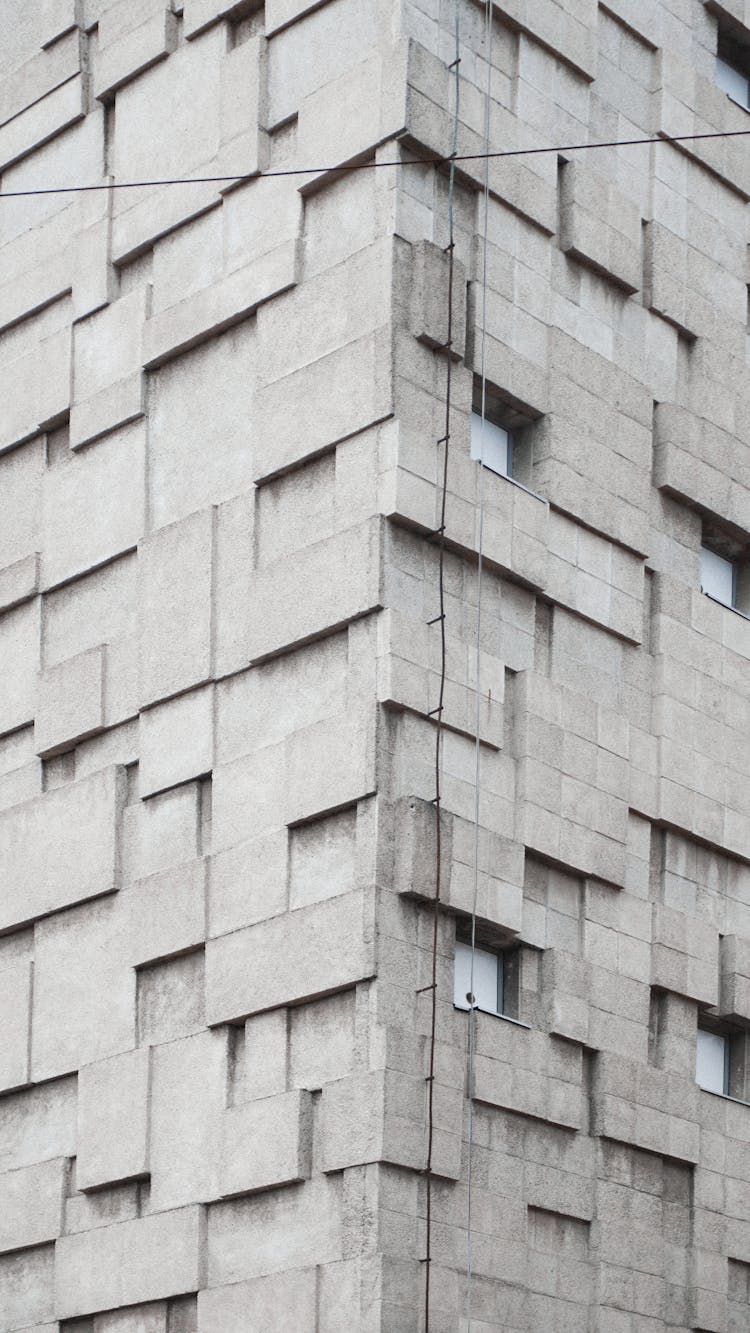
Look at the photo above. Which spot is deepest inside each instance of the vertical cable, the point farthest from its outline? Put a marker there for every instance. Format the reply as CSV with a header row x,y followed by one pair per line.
x,y
477,664
445,442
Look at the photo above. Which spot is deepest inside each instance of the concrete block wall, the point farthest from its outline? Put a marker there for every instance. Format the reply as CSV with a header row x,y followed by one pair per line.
x,y
219,492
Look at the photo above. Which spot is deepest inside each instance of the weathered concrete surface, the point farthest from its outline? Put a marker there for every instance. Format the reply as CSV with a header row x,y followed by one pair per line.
x,y
218,587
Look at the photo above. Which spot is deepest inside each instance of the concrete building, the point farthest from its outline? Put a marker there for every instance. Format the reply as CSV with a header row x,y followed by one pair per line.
x,y
222,411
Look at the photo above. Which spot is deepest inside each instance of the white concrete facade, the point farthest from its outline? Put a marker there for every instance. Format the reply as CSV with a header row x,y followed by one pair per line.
x,y
220,411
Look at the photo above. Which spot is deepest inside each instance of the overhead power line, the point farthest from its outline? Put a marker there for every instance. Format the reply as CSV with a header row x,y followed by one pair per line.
x,y
426,161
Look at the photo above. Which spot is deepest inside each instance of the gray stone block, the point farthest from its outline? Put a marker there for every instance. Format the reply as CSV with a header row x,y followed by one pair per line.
x,y
175,567
19,582
46,865
38,1124
19,645
275,1303
280,615
599,225
108,389
78,979
176,741
200,446
311,952
266,1143
93,505
27,1288
130,40
21,473
113,1111
147,1259
358,394
70,704
170,998
33,1207
166,913
15,1023
189,1079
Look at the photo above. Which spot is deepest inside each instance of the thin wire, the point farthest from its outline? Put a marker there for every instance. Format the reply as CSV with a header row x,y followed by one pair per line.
x,y
477,668
441,697
429,160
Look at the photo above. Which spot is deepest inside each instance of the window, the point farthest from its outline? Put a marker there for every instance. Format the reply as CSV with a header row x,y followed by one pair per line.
x,y
718,576
491,443
725,569
495,988
721,1061
735,84
733,69
712,1062
502,440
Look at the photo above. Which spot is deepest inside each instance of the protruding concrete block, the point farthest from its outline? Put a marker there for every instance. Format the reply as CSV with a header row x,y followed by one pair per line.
x,y
684,955
200,433
107,359
175,587
322,1037
93,505
430,298
283,609
21,473
187,1105
358,107
266,1056
147,1259
131,39
162,832
274,1303
166,913
194,139
15,1022
33,1204
78,978
27,1288
358,391
101,608
294,957
177,741
599,225
248,880
266,1143
19,582
70,702
242,1232
38,1124
734,985
113,1114
19,649
47,865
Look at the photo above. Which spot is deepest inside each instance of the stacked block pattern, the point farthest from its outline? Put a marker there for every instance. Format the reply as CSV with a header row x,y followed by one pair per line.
x,y
219,492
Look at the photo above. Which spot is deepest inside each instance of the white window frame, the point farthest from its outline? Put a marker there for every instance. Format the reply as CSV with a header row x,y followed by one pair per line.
x,y
719,577
492,445
712,1061
488,979
733,81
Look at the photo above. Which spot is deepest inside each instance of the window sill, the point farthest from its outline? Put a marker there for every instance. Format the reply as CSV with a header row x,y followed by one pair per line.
x,y
725,1096
513,481
717,602
742,105
492,1013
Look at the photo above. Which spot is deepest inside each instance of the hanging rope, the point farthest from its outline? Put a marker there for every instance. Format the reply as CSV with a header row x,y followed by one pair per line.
x,y
477,662
444,442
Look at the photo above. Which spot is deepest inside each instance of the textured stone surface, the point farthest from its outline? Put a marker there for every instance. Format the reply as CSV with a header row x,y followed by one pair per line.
x,y
221,448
